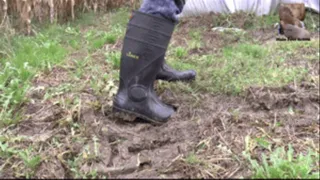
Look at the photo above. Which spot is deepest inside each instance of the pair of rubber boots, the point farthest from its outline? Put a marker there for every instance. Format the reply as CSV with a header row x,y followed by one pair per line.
x,y
142,62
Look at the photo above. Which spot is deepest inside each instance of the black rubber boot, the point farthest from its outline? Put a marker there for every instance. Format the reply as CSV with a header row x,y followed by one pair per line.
x,y
169,74
143,52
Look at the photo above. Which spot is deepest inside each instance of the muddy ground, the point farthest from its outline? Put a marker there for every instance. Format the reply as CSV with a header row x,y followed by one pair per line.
x,y
213,128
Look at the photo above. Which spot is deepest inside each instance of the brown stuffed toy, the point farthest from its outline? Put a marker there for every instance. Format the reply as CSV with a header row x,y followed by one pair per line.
x,y
291,21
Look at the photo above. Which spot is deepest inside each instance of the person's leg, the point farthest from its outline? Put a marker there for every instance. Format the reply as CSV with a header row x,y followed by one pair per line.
x,y
147,38
168,9
144,48
164,8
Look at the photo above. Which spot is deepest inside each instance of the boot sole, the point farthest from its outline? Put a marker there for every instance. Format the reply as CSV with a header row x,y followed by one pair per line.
x,y
178,80
133,115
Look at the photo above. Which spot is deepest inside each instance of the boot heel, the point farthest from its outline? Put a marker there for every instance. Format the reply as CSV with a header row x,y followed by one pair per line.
x,y
123,115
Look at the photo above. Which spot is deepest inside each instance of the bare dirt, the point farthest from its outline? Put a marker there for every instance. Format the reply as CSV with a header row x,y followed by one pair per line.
x,y
213,128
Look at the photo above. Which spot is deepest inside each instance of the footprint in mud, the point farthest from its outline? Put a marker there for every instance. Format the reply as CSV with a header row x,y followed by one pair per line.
x,y
160,144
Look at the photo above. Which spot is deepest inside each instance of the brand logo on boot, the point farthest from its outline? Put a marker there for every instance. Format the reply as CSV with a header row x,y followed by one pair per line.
x,y
129,54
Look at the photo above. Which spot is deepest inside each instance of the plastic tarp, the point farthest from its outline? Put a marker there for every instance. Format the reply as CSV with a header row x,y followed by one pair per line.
x,y
259,7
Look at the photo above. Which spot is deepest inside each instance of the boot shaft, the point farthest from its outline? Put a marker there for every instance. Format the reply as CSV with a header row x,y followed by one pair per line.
x,y
144,48
145,44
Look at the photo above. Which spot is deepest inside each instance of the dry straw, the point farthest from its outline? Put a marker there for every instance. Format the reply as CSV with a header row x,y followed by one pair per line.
x,y
26,11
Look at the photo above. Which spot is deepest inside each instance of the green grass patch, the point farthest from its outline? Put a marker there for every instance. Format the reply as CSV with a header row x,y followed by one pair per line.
x,y
24,57
312,21
243,65
97,39
192,159
180,52
119,18
30,159
196,38
114,59
282,164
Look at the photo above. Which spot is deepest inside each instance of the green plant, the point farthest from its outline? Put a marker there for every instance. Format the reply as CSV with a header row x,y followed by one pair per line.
x,y
120,18
25,55
181,52
30,161
114,58
312,21
196,39
192,159
105,38
6,151
282,164
110,38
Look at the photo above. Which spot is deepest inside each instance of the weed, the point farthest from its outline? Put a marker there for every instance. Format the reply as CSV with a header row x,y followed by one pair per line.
x,y
261,22
312,21
89,155
239,67
192,159
30,161
80,65
97,39
196,39
120,18
263,143
113,58
282,164
6,151
25,57
180,52
59,90
110,38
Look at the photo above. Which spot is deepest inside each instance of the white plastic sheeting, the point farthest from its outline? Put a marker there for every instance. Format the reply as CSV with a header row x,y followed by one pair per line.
x,y
259,7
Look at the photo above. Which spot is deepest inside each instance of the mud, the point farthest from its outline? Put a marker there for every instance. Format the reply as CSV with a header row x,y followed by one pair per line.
x,y
213,127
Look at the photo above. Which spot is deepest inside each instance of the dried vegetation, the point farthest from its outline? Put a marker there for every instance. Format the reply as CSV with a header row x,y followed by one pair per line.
x,y
24,12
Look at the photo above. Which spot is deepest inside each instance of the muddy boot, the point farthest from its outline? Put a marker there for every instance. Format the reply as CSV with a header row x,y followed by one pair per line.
x,y
168,74
143,52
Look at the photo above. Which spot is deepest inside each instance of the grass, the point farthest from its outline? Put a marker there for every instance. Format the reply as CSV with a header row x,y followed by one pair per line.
x,y
243,65
114,59
180,52
312,21
282,164
24,57
30,161
195,41
192,159
21,57
97,39
244,20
